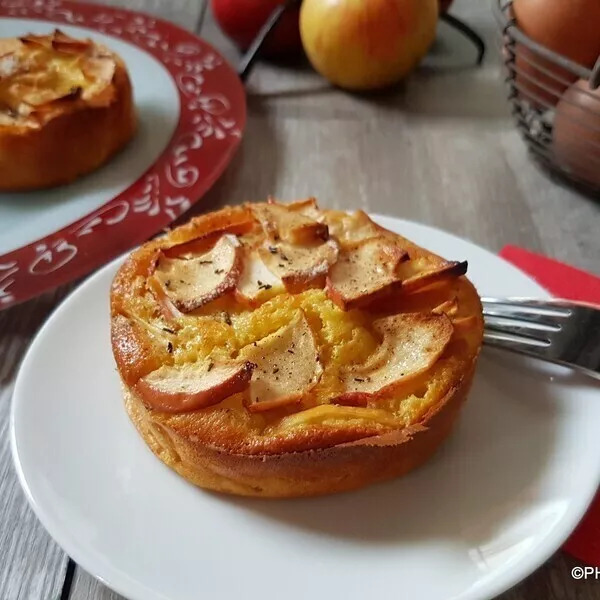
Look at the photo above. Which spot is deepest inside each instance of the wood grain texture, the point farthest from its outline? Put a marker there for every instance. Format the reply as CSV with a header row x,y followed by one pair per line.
x,y
439,149
32,566
86,587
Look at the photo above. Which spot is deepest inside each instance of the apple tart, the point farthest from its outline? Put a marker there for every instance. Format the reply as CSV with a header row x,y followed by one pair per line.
x,y
283,350
66,107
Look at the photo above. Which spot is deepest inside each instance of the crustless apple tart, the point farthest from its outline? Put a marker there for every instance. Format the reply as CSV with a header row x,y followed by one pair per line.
x,y
283,350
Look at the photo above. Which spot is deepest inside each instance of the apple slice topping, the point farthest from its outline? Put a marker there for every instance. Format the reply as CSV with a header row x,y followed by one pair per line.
x,y
191,283
353,228
411,344
255,278
449,307
177,389
58,41
299,266
99,68
203,243
364,272
168,309
309,208
279,222
287,366
448,270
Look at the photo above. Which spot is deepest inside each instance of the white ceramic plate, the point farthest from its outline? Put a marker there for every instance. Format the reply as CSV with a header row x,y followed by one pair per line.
x,y
497,500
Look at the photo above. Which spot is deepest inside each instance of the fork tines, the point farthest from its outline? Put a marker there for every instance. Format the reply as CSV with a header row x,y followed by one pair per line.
x,y
522,319
559,331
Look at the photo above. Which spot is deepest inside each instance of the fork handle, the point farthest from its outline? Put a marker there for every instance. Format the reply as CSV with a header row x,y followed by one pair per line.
x,y
537,303
531,352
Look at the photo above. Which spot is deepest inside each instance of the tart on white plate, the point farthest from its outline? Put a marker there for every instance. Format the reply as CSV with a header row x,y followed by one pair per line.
x,y
66,107
283,350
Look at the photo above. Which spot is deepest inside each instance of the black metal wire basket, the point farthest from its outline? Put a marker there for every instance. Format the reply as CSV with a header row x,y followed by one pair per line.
x,y
555,103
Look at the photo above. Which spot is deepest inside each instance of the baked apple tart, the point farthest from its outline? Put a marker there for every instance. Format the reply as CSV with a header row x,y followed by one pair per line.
x,y
283,350
66,107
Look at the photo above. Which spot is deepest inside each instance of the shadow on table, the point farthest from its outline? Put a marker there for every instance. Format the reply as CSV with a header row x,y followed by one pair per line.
x,y
480,481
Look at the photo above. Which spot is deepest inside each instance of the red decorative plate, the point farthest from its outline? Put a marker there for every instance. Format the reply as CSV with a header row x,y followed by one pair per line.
x,y
191,110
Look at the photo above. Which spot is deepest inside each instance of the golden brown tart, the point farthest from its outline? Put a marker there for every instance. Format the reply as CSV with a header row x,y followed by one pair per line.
x,y
66,107
283,350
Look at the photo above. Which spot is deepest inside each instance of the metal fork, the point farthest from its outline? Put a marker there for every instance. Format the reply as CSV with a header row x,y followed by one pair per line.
x,y
558,331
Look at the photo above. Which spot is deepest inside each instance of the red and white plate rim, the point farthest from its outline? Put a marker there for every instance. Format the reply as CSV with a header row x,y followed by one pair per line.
x,y
211,122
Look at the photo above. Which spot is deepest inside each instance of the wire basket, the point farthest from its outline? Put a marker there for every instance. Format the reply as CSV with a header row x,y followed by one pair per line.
x,y
555,103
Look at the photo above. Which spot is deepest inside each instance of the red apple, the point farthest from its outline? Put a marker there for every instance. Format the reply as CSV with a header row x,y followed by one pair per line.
x,y
241,20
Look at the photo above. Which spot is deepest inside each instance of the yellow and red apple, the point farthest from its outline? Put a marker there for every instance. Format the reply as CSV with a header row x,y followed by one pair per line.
x,y
367,44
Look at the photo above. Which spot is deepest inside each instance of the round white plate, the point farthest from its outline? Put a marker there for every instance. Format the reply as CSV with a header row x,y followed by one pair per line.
x,y
495,502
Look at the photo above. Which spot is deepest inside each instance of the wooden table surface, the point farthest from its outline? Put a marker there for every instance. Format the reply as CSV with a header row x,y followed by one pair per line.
x,y
440,149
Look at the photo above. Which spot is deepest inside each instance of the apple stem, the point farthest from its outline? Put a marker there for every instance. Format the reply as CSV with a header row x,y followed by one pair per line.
x,y
468,33
253,51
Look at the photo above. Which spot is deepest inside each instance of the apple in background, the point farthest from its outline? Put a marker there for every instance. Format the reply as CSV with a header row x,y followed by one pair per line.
x,y
576,136
567,28
367,44
241,20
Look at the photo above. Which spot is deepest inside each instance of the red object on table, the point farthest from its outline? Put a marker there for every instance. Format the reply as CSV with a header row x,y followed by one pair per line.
x,y
566,282
241,21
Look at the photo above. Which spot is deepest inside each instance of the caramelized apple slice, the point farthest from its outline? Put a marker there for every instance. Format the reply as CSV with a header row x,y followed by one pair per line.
x,y
203,243
223,221
68,45
299,266
449,307
58,41
255,278
101,68
364,272
309,208
449,270
168,309
33,88
43,41
193,386
287,366
194,282
136,351
411,344
279,222
356,227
